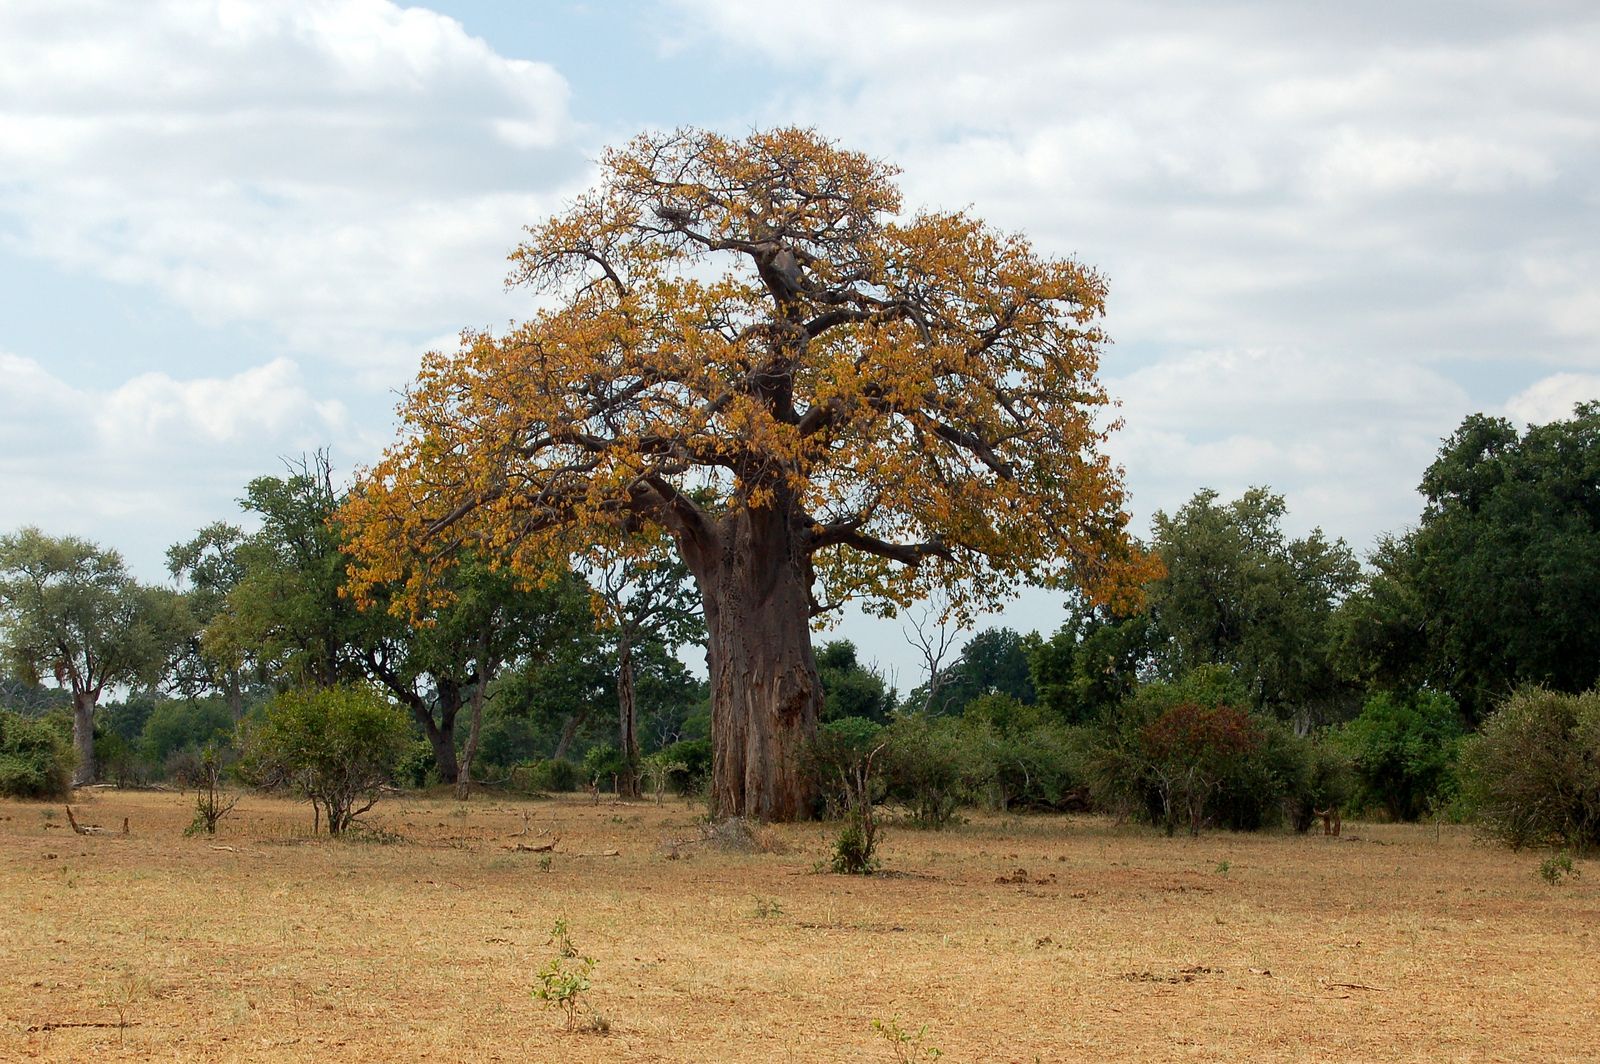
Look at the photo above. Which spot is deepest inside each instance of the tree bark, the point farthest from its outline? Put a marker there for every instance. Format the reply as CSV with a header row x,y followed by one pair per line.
x,y
83,737
765,694
628,721
441,732
480,690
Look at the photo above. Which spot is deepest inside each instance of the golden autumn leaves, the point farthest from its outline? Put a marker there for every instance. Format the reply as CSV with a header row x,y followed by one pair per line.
x,y
736,325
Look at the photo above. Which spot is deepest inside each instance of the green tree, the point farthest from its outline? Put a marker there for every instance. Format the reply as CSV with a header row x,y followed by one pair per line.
x,y
642,602
207,569
337,746
283,617
1499,584
1091,663
1403,750
849,688
69,611
1238,592
993,661
448,661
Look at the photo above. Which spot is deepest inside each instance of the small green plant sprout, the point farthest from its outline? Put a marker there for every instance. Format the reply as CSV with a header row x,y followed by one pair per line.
x,y
767,907
1558,865
565,977
1222,868
908,1046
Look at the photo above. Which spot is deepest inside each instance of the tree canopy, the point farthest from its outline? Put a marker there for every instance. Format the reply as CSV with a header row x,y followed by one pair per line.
x,y
747,348
1499,584
1239,592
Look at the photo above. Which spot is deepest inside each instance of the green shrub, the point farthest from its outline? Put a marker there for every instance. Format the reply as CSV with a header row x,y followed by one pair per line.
x,y
1403,751
1533,772
35,760
835,757
601,763
552,775
695,754
336,746
855,850
417,767
932,766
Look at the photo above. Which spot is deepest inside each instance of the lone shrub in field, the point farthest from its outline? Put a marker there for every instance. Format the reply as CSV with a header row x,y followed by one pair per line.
x,y
1533,771
337,746
35,760
211,802
843,759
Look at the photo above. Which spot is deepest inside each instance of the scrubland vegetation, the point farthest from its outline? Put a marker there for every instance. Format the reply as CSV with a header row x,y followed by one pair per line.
x,y
414,757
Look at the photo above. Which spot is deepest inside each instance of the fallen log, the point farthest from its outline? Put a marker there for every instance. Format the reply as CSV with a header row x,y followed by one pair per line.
x,y
92,829
525,848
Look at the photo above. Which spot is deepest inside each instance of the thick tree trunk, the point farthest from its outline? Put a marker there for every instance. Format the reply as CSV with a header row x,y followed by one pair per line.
x,y
83,737
628,721
441,734
765,694
474,733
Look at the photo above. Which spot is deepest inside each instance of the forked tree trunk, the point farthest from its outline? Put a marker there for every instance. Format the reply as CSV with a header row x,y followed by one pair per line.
x,y
441,735
765,694
83,737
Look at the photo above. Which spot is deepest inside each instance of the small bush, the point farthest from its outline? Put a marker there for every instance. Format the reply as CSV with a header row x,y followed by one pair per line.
x,y
211,802
932,766
602,763
337,746
695,754
1533,771
564,979
553,775
416,766
855,850
835,759
1558,865
1024,757
35,761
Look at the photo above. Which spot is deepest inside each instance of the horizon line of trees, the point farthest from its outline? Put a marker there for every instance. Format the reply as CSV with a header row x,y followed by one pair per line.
x,y
1249,640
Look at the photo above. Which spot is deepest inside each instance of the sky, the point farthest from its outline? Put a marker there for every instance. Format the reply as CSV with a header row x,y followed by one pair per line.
x,y
229,229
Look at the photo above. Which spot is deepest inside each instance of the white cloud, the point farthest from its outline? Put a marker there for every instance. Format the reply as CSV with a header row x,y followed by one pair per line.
x,y
1350,180
148,460
347,172
1344,440
1553,398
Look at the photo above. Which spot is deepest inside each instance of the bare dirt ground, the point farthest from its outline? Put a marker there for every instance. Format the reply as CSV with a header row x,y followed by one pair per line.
x,y
1011,939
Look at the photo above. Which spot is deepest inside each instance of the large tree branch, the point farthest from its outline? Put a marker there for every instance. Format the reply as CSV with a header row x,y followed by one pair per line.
x,y
849,535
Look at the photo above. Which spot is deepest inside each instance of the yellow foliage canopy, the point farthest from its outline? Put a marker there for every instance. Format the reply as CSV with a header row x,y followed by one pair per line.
x,y
742,327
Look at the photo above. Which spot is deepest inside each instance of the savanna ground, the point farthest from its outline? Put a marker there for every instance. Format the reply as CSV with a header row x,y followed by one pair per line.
x,y
1012,939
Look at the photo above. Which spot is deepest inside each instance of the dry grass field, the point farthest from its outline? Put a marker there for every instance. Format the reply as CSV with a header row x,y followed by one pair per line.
x,y
1012,939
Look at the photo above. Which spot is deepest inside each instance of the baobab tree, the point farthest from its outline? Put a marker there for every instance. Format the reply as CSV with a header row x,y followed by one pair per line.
x,y
748,352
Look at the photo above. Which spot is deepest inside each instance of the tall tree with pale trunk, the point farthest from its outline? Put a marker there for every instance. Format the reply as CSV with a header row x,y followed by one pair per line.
x,y
70,612
747,351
